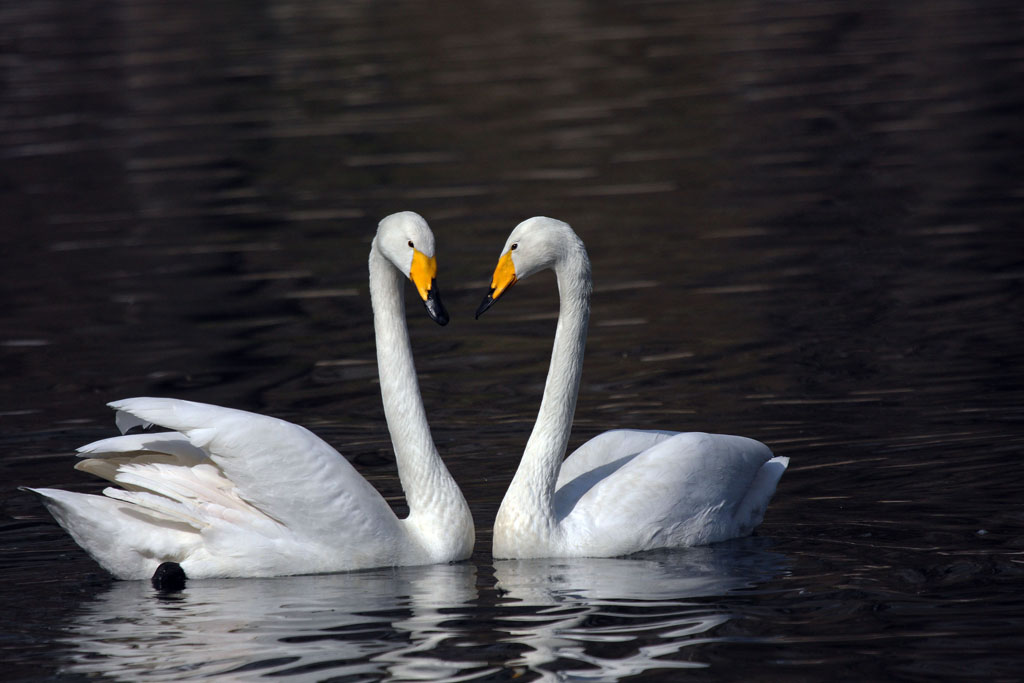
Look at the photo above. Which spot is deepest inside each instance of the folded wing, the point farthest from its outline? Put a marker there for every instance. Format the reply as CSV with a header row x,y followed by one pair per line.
x,y
225,489
686,489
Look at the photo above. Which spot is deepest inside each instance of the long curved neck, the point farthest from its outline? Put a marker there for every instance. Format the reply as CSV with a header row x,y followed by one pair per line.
x,y
431,493
534,483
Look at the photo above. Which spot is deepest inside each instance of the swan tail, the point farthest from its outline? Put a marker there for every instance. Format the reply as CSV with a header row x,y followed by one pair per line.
x,y
122,538
171,500
750,511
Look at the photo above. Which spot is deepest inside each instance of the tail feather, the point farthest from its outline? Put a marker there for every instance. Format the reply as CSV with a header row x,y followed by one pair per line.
x,y
125,544
751,509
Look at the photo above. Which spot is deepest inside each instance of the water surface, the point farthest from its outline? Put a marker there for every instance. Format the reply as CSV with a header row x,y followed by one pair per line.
x,y
804,222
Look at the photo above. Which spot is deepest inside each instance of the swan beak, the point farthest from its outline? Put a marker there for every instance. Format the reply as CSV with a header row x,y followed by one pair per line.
x,y
504,278
423,274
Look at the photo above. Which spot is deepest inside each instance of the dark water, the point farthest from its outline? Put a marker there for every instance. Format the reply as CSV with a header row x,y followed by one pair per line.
x,y
805,223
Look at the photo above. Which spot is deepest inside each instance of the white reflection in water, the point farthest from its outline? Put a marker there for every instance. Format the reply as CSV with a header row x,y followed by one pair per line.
x,y
590,619
573,609
380,623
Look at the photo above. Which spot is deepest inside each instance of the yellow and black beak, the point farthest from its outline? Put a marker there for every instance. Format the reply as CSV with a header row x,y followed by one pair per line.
x,y
504,277
423,274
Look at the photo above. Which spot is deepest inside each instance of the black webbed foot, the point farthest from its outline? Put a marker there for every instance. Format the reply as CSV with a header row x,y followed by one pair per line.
x,y
169,577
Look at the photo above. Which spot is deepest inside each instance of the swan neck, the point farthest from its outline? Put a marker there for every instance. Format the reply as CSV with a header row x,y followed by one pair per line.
x,y
430,491
536,478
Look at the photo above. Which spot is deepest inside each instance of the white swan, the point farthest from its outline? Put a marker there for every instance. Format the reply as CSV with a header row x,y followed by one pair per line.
x,y
229,493
624,491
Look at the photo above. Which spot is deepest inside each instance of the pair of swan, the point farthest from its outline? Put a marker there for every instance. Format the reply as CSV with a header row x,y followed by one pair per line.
x,y
228,493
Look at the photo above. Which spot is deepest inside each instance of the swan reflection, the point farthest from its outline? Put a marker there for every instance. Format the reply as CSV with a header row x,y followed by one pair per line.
x,y
375,624
595,619
605,619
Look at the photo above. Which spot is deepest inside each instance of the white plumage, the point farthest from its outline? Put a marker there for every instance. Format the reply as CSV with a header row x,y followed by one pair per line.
x,y
233,493
624,491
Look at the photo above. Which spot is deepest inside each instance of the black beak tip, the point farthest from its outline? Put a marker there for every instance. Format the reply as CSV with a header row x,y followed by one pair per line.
x,y
441,318
485,304
435,308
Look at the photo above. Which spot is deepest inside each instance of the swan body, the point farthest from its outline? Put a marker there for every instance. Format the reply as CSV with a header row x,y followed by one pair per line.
x,y
229,493
624,491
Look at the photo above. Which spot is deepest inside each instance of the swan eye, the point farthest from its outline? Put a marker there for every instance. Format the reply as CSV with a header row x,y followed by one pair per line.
x,y
513,247
411,244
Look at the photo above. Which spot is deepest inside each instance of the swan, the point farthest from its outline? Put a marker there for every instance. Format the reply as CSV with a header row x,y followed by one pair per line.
x,y
624,491
229,493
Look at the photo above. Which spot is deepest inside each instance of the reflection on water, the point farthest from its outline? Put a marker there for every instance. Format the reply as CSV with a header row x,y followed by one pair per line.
x,y
383,622
602,619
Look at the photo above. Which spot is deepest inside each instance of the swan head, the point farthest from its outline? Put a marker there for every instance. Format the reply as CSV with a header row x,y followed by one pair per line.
x,y
405,240
536,244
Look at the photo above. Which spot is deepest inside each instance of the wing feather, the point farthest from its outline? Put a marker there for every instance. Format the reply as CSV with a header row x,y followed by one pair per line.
x,y
279,468
607,447
684,490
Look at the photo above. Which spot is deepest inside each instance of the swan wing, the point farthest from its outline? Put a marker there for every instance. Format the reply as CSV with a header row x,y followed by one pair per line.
x,y
278,469
608,447
686,489
227,493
